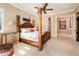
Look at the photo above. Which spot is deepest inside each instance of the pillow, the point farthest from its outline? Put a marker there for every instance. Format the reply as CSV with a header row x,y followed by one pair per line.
x,y
25,30
31,29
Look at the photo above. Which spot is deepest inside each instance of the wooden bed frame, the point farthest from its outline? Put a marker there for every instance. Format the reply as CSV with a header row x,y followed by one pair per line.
x,y
41,38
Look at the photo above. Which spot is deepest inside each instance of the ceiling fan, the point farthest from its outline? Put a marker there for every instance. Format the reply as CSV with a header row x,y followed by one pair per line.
x,y
44,8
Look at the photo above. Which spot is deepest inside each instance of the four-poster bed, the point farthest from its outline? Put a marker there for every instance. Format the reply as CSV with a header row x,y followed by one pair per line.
x,y
40,37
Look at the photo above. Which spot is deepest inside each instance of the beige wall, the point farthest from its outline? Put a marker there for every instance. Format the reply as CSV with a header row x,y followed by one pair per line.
x,y
10,13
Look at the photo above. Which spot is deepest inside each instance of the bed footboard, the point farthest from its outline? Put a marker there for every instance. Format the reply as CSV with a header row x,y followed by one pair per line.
x,y
33,43
46,37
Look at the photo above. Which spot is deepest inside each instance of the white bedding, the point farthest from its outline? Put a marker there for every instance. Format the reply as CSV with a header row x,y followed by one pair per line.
x,y
30,35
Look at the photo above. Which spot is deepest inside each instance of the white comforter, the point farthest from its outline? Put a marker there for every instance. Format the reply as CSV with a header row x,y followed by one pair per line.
x,y
30,36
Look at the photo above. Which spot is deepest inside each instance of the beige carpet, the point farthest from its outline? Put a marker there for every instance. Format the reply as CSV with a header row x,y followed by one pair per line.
x,y
54,47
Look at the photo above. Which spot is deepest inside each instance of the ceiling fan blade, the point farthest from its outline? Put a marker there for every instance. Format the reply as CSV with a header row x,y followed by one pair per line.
x,y
49,9
46,4
44,11
36,7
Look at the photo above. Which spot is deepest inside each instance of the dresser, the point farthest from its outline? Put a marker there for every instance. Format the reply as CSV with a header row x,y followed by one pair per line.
x,y
11,37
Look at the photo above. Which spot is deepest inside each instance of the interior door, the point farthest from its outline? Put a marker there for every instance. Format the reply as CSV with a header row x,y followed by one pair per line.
x,y
77,26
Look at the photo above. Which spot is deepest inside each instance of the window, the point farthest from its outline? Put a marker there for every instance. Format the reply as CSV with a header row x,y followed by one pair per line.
x,y
1,20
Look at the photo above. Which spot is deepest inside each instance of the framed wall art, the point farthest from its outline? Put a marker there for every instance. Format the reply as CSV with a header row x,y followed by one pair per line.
x,y
62,24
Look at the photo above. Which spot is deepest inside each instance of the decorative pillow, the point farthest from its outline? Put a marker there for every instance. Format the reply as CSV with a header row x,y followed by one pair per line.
x,y
25,30
31,29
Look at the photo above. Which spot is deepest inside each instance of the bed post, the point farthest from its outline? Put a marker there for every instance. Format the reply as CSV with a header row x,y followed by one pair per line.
x,y
49,26
33,22
17,22
40,28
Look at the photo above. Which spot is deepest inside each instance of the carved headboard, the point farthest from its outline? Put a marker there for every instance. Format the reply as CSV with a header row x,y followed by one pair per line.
x,y
26,25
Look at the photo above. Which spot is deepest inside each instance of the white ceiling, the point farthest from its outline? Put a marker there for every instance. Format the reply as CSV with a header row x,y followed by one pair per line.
x,y
58,7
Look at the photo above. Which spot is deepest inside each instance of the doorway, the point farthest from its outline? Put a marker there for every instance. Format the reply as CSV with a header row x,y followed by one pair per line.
x,y
64,26
77,26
